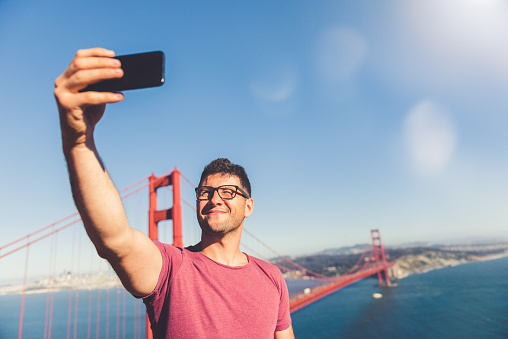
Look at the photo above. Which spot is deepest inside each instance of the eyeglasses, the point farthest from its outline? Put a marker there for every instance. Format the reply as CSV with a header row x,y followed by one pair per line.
x,y
226,192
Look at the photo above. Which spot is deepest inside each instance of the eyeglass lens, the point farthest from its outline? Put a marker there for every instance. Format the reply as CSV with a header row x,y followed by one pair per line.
x,y
225,192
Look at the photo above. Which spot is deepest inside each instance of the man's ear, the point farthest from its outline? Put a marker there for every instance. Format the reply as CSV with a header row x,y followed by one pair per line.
x,y
249,207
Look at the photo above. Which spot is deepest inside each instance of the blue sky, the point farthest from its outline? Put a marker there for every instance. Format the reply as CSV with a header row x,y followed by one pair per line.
x,y
347,116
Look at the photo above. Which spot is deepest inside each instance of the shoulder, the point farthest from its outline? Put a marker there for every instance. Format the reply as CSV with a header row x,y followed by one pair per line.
x,y
261,263
266,267
178,255
167,248
272,272
171,255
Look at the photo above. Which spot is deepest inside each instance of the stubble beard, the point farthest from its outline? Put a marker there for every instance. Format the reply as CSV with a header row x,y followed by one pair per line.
x,y
228,227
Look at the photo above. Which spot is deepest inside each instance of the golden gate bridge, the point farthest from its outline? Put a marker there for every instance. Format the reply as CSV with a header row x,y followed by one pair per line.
x,y
46,251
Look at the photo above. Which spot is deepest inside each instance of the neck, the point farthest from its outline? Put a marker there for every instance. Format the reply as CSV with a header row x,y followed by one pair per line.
x,y
224,249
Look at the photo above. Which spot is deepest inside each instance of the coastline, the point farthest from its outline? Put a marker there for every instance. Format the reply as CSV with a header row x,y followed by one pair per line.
x,y
406,265
426,262
65,282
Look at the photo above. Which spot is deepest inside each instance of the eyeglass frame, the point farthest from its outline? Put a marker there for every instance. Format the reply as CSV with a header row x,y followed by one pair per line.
x,y
216,189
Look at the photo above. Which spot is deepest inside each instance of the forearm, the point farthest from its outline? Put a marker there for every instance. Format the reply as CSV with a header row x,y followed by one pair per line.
x,y
97,200
285,334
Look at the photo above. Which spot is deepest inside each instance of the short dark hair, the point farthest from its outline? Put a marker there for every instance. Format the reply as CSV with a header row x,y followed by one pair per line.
x,y
226,167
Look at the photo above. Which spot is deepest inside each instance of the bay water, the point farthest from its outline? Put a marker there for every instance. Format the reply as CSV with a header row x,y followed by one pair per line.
x,y
464,301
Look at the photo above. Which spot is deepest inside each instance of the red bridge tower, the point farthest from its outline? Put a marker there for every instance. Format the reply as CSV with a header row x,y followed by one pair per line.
x,y
379,255
174,213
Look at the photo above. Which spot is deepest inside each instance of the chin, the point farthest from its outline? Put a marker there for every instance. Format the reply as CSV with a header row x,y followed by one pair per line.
x,y
217,230
214,232
211,229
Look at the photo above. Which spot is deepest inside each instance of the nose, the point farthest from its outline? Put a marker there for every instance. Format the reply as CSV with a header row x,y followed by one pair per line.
x,y
216,199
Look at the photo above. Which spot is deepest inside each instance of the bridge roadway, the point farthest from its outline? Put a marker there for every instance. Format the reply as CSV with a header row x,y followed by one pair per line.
x,y
297,301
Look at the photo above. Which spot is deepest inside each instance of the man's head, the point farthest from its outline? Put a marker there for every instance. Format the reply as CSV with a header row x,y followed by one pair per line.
x,y
225,167
223,198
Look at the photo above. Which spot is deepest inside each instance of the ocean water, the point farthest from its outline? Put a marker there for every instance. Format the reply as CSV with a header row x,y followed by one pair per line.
x,y
465,301
126,315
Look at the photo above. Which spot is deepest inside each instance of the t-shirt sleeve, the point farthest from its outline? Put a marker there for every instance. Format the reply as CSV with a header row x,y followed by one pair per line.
x,y
172,258
284,318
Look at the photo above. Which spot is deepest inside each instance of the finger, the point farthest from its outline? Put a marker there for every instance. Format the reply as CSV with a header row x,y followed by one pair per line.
x,y
67,100
78,64
97,98
82,78
91,58
95,52
93,62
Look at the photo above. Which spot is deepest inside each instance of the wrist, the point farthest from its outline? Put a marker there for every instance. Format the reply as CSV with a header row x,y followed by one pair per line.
x,y
71,144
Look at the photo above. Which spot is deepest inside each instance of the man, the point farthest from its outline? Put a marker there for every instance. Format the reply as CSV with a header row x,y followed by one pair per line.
x,y
210,290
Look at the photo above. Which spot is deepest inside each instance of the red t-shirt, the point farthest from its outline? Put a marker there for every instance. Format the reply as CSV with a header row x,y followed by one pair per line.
x,y
196,297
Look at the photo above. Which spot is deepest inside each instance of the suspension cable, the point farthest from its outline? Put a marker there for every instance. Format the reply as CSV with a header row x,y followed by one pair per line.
x,y
23,297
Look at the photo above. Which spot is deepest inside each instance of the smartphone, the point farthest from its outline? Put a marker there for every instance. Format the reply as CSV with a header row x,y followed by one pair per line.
x,y
140,70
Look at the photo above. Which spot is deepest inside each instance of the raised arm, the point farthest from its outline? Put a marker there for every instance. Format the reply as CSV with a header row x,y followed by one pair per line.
x,y
133,256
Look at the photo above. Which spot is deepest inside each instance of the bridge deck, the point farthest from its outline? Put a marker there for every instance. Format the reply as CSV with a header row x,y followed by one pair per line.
x,y
297,301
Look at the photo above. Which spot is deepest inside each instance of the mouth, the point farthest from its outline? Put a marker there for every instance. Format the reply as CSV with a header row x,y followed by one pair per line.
x,y
214,212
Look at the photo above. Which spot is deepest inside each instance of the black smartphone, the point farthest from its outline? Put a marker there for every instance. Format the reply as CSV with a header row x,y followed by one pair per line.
x,y
140,70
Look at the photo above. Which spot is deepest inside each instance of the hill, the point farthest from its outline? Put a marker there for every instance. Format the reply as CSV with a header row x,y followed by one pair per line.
x,y
409,259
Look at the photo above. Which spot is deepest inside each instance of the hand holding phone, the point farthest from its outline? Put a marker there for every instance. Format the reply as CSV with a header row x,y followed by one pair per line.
x,y
141,70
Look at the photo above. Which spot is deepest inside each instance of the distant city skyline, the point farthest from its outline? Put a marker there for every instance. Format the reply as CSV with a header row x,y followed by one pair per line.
x,y
347,117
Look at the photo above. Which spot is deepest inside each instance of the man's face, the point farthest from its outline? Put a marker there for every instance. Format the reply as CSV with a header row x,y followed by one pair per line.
x,y
218,216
